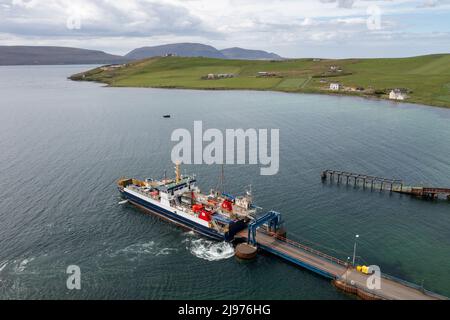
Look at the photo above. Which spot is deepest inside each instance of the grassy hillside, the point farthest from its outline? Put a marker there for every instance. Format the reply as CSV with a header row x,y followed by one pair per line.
x,y
427,78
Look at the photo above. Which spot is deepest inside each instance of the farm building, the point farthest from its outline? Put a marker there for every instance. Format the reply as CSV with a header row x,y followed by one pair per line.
x,y
213,76
266,74
335,69
113,67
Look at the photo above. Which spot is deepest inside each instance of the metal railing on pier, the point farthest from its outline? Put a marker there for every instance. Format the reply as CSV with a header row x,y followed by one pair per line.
x,y
305,248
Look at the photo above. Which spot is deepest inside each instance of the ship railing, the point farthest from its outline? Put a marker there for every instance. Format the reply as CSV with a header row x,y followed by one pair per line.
x,y
139,190
305,248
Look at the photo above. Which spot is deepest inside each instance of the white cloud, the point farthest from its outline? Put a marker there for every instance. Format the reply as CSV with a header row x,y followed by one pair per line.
x,y
290,27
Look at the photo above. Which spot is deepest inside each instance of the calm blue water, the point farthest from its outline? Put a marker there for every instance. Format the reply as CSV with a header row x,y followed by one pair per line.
x,y
64,144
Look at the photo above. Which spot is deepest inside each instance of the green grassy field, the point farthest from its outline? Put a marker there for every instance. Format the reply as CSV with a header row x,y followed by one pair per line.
x,y
426,77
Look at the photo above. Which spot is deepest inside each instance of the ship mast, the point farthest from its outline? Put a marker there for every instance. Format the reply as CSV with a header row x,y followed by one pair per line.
x,y
222,179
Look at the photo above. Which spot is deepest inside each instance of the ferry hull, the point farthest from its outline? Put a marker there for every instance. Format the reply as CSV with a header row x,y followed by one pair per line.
x,y
176,219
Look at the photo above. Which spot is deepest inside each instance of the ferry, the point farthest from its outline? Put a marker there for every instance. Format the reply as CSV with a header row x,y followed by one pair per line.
x,y
216,215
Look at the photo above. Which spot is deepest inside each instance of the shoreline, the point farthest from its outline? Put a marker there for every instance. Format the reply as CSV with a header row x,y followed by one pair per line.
x,y
318,92
424,78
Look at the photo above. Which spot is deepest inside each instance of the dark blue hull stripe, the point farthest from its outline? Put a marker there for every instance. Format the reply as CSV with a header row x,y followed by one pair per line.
x,y
208,232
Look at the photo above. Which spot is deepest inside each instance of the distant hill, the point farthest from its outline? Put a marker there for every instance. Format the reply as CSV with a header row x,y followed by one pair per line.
x,y
246,54
34,55
39,55
179,49
200,50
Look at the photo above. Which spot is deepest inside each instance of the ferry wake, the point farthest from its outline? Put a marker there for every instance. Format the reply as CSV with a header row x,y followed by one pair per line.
x,y
216,215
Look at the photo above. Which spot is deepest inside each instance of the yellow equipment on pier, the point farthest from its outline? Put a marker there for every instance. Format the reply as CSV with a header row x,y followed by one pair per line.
x,y
363,269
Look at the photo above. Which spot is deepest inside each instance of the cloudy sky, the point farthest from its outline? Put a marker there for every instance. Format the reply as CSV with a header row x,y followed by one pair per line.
x,y
291,28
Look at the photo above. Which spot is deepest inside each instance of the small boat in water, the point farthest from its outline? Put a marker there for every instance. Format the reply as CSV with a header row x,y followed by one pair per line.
x,y
166,116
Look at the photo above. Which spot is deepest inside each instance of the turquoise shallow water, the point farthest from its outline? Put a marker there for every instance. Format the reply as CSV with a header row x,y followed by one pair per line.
x,y
63,144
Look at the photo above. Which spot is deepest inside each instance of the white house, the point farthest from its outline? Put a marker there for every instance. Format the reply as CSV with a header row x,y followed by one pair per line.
x,y
335,86
398,94
334,68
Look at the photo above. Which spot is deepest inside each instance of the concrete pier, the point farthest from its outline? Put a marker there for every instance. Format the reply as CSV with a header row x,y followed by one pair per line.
x,y
343,275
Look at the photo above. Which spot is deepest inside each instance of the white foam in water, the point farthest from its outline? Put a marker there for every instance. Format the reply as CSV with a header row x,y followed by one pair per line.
x,y
143,248
2,266
165,251
22,265
210,250
139,248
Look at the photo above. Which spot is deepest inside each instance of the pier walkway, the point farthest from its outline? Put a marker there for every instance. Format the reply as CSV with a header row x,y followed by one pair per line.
x,y
379,183
344,276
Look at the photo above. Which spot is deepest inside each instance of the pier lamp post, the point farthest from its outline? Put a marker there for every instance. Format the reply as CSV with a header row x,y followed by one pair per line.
x,y
354,250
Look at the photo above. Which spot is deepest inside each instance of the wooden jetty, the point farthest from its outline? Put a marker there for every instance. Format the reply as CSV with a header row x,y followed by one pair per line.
x,y
343,275
379,183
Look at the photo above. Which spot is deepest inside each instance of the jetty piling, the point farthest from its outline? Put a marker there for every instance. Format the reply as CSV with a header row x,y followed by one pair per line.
x,y
363,180
385,184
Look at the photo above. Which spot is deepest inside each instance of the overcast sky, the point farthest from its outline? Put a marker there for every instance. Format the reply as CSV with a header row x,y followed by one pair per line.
x,y
291,28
